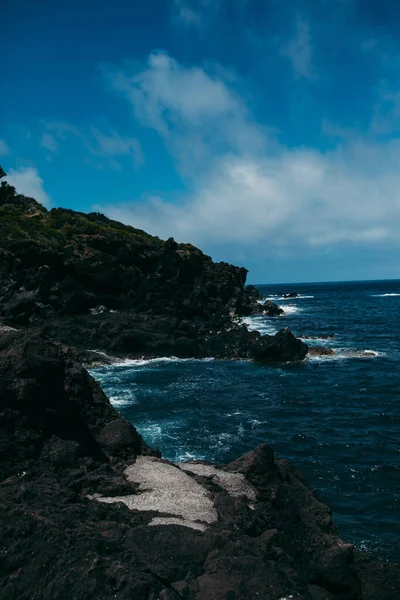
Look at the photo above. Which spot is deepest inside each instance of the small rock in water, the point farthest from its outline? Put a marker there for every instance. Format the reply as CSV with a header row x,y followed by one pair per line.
x,y
320,351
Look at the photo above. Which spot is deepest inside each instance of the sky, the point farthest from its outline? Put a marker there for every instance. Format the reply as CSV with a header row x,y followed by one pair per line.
x,y
265,132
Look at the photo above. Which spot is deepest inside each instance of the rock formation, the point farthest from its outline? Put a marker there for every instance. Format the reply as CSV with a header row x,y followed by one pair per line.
x,y
89,511
94,283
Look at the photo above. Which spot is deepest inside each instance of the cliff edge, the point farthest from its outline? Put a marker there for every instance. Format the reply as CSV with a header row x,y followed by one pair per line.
x,y
96,284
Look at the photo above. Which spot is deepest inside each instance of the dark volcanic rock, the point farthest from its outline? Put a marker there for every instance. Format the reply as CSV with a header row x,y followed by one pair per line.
x,y
271,309
46,392
62,442
291,295
96,284
320,351
283,346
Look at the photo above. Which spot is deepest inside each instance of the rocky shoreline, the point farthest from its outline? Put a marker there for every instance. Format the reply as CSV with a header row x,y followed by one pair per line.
x,y
96,284
88,510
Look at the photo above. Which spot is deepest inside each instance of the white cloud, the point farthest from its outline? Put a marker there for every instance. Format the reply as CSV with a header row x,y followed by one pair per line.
x,y
112,144
194,13
49,142
249,191
27,181
103,148
299,50
185,14
298,198
194,111
4,148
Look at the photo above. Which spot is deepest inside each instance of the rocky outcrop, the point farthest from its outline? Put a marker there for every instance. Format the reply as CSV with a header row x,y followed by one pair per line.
x,y
320,351
96,284
88,511
271,309
291,295
50,404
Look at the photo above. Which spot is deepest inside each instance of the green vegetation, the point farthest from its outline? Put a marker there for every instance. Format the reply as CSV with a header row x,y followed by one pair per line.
x,y
23,218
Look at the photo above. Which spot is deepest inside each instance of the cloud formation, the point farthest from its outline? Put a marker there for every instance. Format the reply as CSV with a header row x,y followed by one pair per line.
x,y
103,148
49,142
250,190
194,111
299,50
27,181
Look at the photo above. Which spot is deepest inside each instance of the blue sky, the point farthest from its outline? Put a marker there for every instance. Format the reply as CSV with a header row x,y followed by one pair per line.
x,y
265,132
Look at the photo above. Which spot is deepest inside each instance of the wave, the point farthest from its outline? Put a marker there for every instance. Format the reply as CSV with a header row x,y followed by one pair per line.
x,y
141,362
341,354
123,401
317,341
259,324
275,297
290,309
384,295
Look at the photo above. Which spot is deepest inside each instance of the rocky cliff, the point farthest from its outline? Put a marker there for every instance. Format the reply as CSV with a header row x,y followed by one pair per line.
x,y
94,283
89,511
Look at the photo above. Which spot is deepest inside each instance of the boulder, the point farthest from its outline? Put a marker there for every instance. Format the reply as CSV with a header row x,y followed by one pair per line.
x,y
283,346
320,351
271,309
45,392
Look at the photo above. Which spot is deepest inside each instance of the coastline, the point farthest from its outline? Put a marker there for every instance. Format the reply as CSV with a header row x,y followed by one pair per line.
x,y
267,535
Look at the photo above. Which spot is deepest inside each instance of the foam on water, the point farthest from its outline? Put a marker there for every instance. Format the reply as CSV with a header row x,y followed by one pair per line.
x,y
383,295
275,297
290,309
142,362
122,401
261,324
346,354
335,417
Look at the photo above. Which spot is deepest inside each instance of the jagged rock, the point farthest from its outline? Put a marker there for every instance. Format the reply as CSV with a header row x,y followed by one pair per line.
x,y
291,295
283,346
271,309
320,351
44,392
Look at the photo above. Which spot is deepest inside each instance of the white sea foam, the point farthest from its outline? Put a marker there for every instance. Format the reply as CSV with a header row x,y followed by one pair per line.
x,y
141,362
185,456
290,309
384,295
344,354
259,324
276,297
122,401
317,341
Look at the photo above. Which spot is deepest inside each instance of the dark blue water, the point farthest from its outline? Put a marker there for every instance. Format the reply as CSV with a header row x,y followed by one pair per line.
x,y
336,418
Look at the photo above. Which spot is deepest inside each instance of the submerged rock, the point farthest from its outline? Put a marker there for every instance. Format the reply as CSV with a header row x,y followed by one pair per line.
x,y
320,351
89,511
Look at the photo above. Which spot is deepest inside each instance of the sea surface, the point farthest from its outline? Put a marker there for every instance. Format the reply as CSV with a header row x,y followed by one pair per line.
x,y
336,418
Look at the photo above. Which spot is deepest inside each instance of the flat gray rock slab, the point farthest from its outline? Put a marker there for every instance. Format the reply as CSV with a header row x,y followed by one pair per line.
x,y
167,489
235,484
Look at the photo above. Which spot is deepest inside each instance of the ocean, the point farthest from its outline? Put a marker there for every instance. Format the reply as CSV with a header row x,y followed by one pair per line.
x,y
337,418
